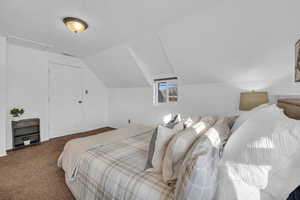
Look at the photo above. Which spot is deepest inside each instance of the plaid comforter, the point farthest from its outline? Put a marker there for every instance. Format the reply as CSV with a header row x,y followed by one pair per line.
x,y
116,171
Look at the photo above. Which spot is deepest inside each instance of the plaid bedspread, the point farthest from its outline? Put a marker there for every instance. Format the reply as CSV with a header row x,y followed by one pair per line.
x,y
116,172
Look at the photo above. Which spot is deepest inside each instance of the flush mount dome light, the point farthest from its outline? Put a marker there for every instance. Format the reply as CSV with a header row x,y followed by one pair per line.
x,y
75,25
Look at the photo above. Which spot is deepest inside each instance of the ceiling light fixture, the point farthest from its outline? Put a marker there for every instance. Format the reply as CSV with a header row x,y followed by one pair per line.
x,y
75,25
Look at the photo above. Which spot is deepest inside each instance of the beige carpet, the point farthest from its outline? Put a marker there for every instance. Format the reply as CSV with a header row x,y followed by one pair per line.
x,y
32,174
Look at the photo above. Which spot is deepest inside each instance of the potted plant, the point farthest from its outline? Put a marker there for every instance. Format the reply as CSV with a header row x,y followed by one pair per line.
x,y
17,112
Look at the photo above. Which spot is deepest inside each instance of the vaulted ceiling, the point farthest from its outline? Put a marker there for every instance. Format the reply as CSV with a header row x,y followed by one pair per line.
x,y
110,21
131,42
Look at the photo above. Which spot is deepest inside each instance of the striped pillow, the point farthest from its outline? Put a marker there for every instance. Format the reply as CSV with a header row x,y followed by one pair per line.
x,y
164,135
170,124
198,173
180,144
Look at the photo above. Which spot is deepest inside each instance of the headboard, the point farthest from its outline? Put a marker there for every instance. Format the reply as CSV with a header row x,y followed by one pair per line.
x,y
290,104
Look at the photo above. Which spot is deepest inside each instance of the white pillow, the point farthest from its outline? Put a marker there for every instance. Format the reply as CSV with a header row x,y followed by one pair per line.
x,y
246,115
177,148
164,136
262,153
257,125
180,144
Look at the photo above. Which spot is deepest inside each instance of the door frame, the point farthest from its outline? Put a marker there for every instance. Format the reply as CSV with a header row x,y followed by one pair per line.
x,y
49,135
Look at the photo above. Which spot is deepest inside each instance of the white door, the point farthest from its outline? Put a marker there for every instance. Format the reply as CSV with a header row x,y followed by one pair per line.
x,y
65,96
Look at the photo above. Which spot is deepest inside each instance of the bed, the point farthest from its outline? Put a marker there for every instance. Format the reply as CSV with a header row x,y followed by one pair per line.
x,y
113,169
111,165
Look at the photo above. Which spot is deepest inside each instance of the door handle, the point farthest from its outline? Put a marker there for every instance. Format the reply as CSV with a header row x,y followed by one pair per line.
x,y
79,101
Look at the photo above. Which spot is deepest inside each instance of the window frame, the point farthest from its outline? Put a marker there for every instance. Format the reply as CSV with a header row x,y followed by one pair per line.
x,y
156,89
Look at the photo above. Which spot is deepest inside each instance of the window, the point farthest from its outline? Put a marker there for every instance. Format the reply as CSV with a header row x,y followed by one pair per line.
x,y
165,90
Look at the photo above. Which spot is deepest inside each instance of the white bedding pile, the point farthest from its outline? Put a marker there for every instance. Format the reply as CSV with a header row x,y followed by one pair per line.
x,y
260,160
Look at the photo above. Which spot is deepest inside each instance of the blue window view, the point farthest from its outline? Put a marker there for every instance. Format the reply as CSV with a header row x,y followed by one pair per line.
x,y
167,92
162,86
162,92
172,86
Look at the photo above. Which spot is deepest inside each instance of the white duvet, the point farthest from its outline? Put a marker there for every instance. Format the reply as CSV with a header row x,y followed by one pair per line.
x,y
260,160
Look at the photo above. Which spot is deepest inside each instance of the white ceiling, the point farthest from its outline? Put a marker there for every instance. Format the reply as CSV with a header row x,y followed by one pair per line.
x,y
110,21
131,42
236,41
152,55
118,68
231,41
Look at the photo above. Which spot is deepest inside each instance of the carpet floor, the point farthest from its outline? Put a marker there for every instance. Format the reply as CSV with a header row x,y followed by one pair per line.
x,y
32,174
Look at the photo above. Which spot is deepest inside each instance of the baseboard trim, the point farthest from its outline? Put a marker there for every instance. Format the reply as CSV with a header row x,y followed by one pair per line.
x,y
3,154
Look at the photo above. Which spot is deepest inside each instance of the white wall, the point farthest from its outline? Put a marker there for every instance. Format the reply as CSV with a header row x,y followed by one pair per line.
x,y
202,99
137,103
3,95
28,88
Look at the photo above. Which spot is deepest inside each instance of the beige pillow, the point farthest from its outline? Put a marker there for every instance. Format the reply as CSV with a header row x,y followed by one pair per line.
x,y
191,121
170,124
164,135
198,172
180,144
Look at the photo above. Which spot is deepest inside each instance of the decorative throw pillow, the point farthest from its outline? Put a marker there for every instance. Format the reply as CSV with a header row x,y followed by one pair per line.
x,y
170,124
180,144
198,173
164,135
177,148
